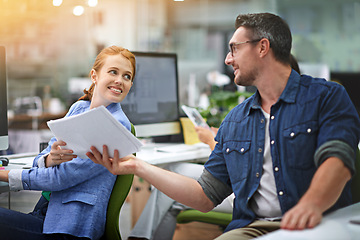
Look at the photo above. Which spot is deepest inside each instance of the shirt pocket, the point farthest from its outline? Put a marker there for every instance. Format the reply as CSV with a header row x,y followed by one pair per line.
x,y
80,197
237,157
300,144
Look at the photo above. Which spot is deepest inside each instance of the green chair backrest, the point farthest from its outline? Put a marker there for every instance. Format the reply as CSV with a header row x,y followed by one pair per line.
x,y
118,195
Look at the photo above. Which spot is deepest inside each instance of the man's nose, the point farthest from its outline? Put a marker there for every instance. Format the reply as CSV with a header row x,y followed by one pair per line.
x,y
228,59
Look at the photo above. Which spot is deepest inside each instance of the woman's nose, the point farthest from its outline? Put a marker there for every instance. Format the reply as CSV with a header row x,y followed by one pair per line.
x,y
118,80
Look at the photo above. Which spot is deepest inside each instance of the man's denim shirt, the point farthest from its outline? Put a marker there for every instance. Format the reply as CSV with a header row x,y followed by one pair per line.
x,y
309,113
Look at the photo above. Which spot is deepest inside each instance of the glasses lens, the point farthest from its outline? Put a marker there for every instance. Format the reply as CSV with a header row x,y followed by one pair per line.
x,y
231,48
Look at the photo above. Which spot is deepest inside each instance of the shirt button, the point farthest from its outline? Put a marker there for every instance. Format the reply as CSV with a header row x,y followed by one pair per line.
x,y
260,150
292,134
242,150
227,150
272,117
276,169
272,142
281,193
257,174
309,130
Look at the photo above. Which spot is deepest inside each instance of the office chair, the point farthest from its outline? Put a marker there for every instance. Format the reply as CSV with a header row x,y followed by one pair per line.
x,y
223,219
117,198
212,217
118,195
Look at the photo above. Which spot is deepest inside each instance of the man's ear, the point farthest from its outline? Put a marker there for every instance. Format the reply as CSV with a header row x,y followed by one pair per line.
x,y
264,47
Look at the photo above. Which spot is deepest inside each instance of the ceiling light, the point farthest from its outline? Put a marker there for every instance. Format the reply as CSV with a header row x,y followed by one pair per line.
x,y
92,3
57,3
78,10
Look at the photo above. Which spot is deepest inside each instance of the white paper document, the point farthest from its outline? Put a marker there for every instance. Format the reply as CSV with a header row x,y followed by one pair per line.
x,y
96,127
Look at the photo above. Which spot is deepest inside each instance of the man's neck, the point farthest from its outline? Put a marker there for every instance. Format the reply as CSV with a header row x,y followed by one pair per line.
x,y
272,84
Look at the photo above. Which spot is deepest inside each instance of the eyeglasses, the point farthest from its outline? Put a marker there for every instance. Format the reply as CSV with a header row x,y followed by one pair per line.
x,y
232,46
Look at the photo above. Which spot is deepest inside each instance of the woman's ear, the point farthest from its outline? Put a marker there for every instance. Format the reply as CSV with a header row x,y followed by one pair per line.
x,y
93,76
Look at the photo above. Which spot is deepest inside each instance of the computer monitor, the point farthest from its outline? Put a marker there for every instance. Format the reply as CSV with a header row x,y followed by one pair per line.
x,y
4,140
152,104
351,82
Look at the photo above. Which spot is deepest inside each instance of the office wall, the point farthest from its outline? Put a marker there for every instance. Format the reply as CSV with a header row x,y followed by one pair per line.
x,y
48,45
325,32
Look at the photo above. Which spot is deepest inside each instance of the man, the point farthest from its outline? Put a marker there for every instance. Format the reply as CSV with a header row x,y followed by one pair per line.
x,y
287,152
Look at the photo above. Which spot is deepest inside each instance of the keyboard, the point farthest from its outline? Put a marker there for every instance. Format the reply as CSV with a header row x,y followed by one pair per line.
x,y
176,148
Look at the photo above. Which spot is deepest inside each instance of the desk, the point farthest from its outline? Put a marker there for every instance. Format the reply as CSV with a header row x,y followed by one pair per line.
x,y
334,226
16,161
150,154
25,121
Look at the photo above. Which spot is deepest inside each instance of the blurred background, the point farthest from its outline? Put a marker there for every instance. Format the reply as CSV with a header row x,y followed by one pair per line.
x,y
51,44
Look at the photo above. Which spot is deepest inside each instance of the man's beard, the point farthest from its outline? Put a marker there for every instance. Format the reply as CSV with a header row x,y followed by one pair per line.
x,y
247,79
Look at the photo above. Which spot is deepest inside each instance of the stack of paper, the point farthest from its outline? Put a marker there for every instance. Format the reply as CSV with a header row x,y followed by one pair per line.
x,y
96,127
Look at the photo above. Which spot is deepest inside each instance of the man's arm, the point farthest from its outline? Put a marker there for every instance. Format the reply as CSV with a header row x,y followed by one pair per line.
x,y
180,188
325,188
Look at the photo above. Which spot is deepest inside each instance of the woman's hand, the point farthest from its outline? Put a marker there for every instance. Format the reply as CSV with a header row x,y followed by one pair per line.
x,y
58,155
116,165
207,136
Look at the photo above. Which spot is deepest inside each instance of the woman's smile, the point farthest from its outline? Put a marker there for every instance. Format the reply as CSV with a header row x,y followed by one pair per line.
x,y
115,90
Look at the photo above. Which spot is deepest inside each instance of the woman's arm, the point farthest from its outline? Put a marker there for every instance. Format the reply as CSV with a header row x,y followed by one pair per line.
x,y
207,136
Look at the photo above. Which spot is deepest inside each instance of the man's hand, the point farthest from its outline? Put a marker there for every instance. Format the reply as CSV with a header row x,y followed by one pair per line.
x,y
325,188
116,165
301,216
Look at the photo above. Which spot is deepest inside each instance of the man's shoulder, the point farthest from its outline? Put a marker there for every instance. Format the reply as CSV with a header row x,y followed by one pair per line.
x,y
307,80
318,86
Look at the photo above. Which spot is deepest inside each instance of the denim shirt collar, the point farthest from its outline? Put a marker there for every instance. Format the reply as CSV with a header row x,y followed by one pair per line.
x,y
288,95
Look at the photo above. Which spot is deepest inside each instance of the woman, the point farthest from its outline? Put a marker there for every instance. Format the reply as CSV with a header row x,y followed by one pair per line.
x,y
80,189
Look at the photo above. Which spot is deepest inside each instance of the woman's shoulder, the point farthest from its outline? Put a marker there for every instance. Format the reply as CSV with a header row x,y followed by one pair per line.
x,y
78,107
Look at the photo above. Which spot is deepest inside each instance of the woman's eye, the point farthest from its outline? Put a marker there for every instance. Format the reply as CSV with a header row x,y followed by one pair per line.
x,y
127,76
114,72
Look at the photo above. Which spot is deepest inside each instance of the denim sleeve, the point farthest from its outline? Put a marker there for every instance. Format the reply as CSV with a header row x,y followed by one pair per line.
x,y
339,149
214,189
338,118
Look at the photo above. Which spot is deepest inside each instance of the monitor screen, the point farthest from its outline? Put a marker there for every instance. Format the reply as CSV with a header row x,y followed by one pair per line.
x,y
4,141
351,82
152,104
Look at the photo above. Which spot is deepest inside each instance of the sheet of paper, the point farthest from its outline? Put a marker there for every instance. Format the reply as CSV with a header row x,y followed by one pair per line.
x,y
96,127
